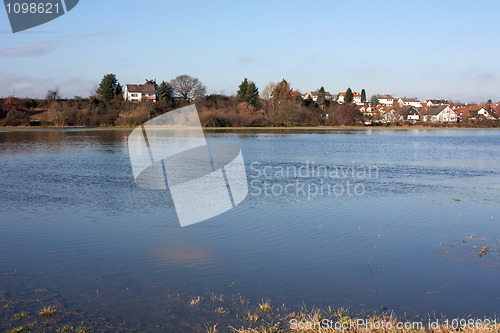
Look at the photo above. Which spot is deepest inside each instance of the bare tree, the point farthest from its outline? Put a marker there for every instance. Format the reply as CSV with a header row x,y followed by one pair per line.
x,y
188,87
267,93
53,94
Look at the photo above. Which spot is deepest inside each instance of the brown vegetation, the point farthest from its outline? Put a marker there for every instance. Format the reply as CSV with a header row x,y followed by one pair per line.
x,y
278,107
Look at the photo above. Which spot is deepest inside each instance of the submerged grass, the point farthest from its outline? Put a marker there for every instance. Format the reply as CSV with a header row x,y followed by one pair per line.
x,y
265,307
328,321
195,301
47,311
224,313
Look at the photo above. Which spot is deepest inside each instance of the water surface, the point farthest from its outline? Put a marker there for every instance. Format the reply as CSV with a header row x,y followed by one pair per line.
x,y
76,230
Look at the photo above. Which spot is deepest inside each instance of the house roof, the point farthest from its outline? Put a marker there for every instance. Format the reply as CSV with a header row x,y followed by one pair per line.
x,y
409,110
371,109
468,110
433,110
496,109
354,94
384,96
141,88
438,101
410,99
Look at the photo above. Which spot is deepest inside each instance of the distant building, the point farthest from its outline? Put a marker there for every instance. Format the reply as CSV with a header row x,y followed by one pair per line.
x,y
466,110
474,111
439,114
411,114
313,95
356,98
385,100
295,94
488,115
138,92
390,116
433,102
369,110
495,110
409,101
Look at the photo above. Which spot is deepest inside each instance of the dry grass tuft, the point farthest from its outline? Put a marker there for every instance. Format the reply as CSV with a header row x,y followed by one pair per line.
x,y
195,301
265,307
253,317
47,311
217,298
211,329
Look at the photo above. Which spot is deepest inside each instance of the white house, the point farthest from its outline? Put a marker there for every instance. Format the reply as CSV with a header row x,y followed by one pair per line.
x,y
340,98
369,110
356,98
409,101
385,100
411,114
486,114
136,92
390,115
314,96
434,102
439,114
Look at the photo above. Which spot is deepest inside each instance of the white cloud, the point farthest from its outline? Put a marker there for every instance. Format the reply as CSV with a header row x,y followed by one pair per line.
x,y
24,86
29,50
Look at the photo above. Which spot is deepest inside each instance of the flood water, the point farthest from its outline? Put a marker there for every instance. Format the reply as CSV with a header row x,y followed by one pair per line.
x,y
407,220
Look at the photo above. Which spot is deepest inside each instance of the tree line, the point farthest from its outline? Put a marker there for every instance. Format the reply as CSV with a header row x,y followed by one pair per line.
x,y
277,105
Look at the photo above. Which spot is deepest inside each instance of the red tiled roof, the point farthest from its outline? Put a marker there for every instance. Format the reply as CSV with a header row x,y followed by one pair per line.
x,y
354,94
496,109
467,111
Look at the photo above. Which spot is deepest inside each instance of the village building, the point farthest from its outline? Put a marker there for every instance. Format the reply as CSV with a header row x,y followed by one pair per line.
x,y
485,113
356,98
385,100
138,92
474,111
434,102
295,94
409,101
313,95
439,114
411,114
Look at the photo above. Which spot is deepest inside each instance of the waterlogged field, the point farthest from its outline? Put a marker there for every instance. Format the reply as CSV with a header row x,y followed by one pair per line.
x,y
364,221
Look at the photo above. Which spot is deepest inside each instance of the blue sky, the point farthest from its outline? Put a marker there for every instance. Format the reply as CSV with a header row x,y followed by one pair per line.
x,y
424,49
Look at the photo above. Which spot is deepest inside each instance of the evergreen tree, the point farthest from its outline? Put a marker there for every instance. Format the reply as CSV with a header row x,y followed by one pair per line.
x,y
252,94
363,95
242,91
108,87
321,97
248,92
349,97
165,91
374,101
119,89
